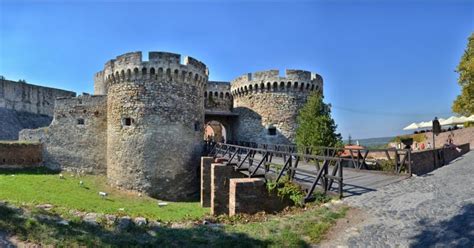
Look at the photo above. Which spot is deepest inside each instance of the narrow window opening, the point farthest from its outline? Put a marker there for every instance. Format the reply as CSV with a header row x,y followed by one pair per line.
x,y
127,121
80,121
272,131
196,126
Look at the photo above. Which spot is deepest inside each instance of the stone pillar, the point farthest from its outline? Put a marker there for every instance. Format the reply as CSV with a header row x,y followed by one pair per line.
x,y
206,181
250,195
220,176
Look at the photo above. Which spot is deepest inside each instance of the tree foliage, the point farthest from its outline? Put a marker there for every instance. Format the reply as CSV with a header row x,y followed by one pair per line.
x,y
464,103
315,125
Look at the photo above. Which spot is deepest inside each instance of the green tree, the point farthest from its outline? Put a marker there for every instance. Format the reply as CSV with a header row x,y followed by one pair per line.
x,y
315,125
464,103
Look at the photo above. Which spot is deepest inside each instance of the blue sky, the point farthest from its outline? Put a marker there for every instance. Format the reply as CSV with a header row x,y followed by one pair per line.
x,y
384,63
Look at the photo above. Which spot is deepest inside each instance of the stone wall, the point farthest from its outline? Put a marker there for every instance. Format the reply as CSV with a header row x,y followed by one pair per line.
x,y
460,136
29,98
265,102
206,181
217,97
76,139
220,181
155,116
428,160
12,122
250,196
20,155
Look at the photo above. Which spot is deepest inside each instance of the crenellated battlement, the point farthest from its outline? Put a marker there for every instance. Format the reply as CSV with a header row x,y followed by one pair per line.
x,y
217,96
270,81
160,66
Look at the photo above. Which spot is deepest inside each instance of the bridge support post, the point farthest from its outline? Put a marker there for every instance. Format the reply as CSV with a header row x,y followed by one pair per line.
x,y
220,181
206,181
250,196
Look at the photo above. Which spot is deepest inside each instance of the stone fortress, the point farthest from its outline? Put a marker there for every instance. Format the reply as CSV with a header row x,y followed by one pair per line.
x,y
145,123
24,105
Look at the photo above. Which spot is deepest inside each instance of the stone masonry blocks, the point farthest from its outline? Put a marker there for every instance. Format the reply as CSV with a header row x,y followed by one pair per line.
x,y
155,120
268,104
220,180
250,196
20,155
206,181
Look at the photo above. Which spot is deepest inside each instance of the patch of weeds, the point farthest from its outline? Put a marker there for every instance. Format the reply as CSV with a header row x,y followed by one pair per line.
x,y
320,198
295,229
286,189
277,167
288,238
315,231
332,216
383,165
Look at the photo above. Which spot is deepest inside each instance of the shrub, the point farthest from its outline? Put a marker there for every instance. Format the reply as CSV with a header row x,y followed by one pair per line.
x,y
419,137
383,165
287,190
315,125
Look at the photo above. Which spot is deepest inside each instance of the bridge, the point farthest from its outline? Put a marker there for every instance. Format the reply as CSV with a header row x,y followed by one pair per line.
x,y
343,171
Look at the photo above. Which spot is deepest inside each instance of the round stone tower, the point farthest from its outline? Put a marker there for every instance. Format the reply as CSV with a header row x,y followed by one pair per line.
x,y
155,115
268,104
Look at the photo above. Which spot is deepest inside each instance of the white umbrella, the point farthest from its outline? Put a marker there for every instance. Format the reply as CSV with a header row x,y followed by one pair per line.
x,y
425,124
453,120
411,126
448,121
463,119
429,124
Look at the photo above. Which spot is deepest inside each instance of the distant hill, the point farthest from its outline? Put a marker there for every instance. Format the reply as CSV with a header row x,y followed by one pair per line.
x,y
372,142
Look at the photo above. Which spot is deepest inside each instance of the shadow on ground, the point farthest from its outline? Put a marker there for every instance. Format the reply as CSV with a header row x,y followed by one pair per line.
x,y
45,228
28,171
455,232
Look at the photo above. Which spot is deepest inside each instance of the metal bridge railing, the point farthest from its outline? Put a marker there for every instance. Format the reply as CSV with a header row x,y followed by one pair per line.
x,y
358,158
257,162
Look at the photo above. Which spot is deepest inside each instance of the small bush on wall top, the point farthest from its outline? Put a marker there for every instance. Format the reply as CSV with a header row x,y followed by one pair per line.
x,y
419,137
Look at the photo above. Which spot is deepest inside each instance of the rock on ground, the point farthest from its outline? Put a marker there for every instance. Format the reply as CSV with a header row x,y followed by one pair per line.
x,y
124,223
140,221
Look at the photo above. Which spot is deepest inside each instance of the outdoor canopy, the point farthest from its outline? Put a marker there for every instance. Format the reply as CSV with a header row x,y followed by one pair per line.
x,y
453,120
412,126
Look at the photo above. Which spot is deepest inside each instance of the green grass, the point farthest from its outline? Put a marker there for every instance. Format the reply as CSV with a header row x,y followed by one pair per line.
x,y
80,234
32,187
296,230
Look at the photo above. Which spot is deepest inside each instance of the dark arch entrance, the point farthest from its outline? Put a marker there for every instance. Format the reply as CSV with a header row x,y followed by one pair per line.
x,y
215,131
219,125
